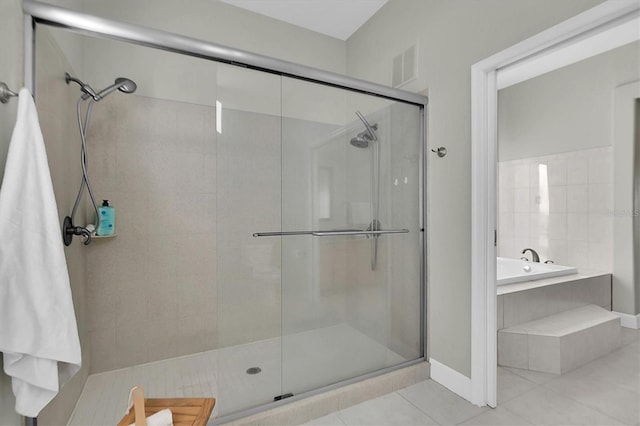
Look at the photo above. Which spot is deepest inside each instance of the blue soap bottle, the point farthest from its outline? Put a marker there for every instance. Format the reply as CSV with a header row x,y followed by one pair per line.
x,y
107,225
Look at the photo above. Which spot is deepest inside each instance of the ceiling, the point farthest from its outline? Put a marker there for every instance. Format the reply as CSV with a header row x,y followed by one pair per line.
x,y
335,18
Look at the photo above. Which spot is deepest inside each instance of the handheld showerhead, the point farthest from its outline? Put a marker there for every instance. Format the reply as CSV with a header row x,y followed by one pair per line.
x,y
124,85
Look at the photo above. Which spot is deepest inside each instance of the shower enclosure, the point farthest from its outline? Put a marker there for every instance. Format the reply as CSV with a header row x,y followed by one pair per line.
x,y
270,220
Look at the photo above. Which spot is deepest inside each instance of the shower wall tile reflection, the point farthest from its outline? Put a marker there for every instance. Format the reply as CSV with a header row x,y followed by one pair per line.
x,y
248,201
559,205
56,109
152,289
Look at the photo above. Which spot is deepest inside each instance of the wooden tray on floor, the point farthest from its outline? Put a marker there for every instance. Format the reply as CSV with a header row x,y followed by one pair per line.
x,y
185,411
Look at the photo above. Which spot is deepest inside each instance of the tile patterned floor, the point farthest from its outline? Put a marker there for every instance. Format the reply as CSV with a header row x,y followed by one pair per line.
x,y
222,373
603,392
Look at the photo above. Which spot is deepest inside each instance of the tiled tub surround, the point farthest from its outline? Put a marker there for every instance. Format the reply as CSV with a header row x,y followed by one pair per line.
x,y
555,326
523,302
560,205
561,342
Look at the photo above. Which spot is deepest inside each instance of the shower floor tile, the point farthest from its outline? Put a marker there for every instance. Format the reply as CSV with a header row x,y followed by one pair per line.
x,y
312,358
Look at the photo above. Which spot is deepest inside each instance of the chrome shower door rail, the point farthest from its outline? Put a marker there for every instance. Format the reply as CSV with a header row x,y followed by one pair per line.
x,y
137,34
331,233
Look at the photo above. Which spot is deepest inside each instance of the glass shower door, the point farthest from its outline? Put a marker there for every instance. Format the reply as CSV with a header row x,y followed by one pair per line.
x,y
351,272
318,237
248,270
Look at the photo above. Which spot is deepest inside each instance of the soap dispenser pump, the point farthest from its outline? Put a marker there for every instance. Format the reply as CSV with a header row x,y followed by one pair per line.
x,y
107,221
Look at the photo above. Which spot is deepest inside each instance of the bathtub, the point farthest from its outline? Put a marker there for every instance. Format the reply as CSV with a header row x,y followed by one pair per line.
x,y
511,271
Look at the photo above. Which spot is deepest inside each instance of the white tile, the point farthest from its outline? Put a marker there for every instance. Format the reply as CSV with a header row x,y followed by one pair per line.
x,y
600,228
389,409
558,199
545,407
537,377
557,172
505,200
521,176
578,254
577,169
505,174
500,312
600,166
577,198
439,403
512,349
617,402
539,224
600,256
521,225
620,368
600,197
506,224
497,416
534,175
330,420
535,200
629,335
557,252
577,226
557,226
544,354
521,200
511,385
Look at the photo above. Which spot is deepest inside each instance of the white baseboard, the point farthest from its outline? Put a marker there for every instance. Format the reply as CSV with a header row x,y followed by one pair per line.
x,y
456,382
628,321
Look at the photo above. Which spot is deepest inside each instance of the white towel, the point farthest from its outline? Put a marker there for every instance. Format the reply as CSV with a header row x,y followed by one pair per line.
x,y
38,331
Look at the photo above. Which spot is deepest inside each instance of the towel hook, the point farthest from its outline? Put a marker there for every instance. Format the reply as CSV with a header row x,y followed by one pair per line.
x,y
6,93
441,151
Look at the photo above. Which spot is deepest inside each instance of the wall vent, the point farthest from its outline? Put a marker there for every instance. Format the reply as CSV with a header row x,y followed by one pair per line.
x,y
404,67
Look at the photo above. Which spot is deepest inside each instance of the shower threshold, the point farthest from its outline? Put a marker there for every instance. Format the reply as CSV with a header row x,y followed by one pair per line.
x,y
222,373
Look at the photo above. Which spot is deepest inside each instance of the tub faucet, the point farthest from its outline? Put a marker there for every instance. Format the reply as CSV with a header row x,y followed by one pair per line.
x,y
534,255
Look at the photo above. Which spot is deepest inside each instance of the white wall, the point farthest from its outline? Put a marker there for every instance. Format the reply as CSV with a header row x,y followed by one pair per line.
x,y
11,74
569,109
452,35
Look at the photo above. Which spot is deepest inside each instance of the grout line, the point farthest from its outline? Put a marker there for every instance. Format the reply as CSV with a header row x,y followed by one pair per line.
x,y
420,409
582,403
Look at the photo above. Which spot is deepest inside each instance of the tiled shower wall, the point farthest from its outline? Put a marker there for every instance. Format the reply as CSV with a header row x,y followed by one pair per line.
x,y
55,102
184,273
559,205
152,288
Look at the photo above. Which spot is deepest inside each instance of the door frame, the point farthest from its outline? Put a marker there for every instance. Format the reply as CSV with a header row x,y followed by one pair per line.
x,y
604,27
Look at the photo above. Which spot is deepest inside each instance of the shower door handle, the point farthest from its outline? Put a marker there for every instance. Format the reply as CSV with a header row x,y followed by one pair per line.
x,y
330,233
353,232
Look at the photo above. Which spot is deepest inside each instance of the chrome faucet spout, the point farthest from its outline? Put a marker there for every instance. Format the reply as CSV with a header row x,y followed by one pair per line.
x,y
534,254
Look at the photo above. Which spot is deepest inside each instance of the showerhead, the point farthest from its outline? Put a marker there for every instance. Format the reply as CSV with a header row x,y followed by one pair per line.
x,y
124,85
364,138
360,141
